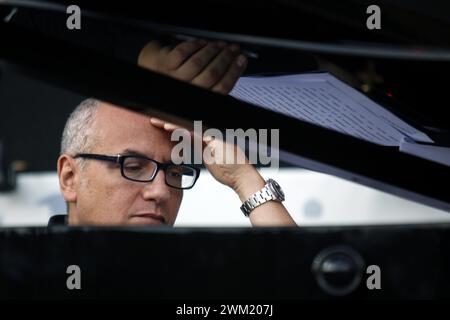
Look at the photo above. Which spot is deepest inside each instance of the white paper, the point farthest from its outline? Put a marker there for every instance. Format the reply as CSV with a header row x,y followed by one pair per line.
x,y
322,99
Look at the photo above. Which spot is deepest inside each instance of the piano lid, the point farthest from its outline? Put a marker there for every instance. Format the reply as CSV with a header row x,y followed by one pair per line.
x,y
84,70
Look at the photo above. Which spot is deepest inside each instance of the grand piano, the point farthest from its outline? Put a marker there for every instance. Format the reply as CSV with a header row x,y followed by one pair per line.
x,y
402,66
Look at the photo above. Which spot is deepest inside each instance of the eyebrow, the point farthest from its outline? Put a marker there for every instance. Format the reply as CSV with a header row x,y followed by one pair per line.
x,y
131,152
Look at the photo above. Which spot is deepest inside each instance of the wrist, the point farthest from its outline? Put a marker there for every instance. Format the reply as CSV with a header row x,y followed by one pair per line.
x,y
249,181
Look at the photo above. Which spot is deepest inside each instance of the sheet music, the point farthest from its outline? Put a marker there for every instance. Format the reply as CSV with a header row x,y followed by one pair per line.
x,y
322,99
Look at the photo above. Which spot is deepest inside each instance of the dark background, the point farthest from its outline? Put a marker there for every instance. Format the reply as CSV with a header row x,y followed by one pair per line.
x,y
32,119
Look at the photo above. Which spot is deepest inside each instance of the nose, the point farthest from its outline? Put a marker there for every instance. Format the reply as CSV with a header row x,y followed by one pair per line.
x,y
157,190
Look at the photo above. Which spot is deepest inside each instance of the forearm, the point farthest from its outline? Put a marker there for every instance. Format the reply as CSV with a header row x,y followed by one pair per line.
x,y
271,213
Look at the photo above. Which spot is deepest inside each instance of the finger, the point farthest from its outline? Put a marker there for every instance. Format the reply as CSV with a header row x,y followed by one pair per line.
x,y
178,55
198,61
161,124
157,122
148,55
171,127
226,84
217,69
207,139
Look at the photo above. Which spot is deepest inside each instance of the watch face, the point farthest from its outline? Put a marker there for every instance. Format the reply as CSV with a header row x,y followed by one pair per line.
x,y
277,189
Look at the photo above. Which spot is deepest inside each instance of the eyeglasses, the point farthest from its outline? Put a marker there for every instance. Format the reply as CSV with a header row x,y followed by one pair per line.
x,y
142,169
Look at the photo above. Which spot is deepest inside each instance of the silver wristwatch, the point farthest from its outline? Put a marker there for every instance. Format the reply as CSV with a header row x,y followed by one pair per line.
x,y
271,191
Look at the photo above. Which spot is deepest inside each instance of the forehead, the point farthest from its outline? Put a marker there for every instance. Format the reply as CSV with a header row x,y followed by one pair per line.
x,y
117,129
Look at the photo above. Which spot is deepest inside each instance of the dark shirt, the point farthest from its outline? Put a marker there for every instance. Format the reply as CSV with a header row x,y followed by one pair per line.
x,y
58,220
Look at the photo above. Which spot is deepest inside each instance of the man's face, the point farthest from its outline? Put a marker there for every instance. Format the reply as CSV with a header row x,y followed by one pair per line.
x,y
103,196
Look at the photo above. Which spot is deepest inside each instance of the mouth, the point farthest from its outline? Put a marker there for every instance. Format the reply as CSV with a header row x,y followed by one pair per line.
x,y
147,218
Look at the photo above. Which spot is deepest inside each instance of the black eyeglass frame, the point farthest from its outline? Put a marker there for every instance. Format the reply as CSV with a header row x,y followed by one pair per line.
x,y
120,159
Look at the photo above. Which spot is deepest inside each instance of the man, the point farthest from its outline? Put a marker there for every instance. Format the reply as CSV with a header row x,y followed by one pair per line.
x,y
115,165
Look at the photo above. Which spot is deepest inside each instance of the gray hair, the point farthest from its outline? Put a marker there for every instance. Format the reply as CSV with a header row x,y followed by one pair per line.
x,y
78,133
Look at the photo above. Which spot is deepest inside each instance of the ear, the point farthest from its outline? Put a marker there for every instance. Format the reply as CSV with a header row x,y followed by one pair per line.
x,y
67,171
